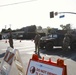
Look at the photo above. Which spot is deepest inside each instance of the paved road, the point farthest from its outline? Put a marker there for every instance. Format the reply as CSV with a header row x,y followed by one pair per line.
x,y
26,49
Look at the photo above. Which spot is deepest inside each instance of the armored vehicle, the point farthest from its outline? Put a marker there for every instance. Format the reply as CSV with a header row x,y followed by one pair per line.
x,y
59,39
0,37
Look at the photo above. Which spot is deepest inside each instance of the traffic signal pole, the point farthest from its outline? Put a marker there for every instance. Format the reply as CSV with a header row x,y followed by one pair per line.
x,y
67,12
52,13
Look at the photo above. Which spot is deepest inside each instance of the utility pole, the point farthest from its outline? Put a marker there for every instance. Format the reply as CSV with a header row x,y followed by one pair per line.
x,y
5,26
10,26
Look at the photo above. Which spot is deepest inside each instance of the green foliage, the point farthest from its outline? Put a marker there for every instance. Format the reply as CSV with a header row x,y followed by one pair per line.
x,y
5,30
66,27
39,28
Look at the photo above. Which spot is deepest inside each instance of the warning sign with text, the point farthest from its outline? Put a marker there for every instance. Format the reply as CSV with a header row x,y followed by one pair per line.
x,y
38,68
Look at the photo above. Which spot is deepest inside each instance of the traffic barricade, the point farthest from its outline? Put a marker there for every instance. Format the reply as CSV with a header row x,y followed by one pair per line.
x,y
12,57
7,62
19,63
38,66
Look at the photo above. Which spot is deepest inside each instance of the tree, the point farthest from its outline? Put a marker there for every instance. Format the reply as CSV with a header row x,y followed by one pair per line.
x,y
66,27
3,30
8,29
48,29
39,28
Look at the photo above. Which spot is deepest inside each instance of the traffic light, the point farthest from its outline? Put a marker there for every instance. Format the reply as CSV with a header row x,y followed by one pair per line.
x,y
52,14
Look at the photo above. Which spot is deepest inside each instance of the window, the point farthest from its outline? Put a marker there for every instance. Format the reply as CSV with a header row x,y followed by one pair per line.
x,y
54,36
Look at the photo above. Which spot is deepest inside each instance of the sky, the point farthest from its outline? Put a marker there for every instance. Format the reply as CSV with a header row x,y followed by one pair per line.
x,y
21,13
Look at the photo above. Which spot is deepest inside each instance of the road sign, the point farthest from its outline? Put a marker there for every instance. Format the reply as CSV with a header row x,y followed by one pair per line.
x,y
61,16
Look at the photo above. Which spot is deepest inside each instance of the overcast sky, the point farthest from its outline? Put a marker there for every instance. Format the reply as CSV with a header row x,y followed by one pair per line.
x,y
36,12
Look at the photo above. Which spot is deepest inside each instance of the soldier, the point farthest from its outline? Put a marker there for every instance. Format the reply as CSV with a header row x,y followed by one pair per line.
x,y
37,43
66,42
10,39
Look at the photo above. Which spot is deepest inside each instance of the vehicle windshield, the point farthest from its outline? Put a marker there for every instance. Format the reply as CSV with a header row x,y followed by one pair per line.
x,y
52,36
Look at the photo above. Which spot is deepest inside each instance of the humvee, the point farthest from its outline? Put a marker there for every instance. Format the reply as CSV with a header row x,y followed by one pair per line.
x,y
56,39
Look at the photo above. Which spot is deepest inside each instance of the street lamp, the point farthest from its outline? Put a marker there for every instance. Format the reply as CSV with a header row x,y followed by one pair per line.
x,y
5,26
10,26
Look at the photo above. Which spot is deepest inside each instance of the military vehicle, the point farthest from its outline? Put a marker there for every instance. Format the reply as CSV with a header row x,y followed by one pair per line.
x,y
56,39
28,33
0,37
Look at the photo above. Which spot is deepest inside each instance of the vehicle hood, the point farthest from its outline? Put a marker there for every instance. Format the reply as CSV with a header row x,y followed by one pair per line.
x,y
46,38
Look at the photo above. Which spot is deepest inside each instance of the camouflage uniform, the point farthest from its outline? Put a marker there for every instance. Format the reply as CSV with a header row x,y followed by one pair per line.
x,y
37,43
66,42
10,40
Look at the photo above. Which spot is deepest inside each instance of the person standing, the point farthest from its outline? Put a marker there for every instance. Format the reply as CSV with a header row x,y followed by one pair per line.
x,y
37,43
66,42
10,40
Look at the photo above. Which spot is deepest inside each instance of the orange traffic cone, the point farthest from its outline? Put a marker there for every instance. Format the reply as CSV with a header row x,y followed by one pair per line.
x,y
20,40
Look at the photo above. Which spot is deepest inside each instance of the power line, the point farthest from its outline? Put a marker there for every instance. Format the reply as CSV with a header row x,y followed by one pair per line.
x,y
16,3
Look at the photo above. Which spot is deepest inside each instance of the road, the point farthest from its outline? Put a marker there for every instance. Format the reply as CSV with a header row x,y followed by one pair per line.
x,y
26,49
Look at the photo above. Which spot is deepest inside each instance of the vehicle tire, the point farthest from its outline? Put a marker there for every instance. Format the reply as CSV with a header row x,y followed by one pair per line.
x,y
41,46
49,46
73,46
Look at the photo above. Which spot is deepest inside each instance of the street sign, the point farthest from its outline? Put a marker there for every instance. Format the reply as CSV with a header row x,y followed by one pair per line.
x,y
61,16
38,66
